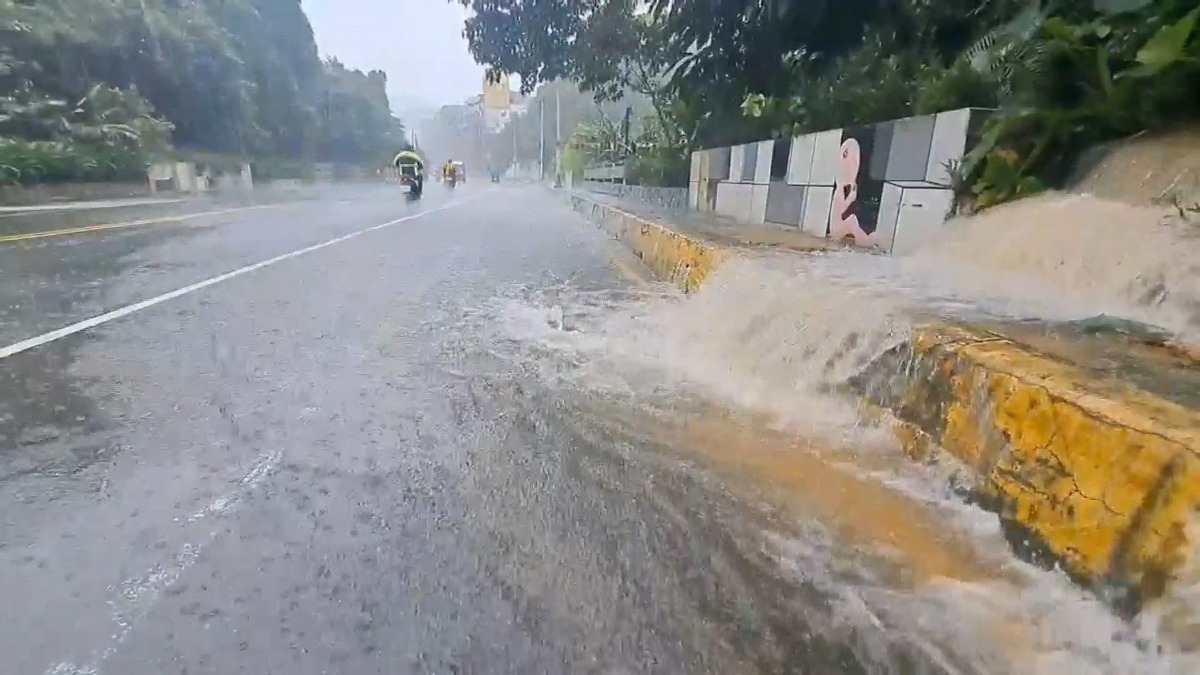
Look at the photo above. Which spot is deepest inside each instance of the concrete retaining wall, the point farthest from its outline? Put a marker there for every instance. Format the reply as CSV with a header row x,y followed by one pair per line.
x,y
1100,478
892,177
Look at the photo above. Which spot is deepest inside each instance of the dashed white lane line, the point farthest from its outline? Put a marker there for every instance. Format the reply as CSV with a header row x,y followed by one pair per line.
x,y
132,599
80,326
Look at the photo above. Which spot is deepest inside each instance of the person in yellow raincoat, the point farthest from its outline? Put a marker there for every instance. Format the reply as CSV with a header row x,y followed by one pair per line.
x,y
410,164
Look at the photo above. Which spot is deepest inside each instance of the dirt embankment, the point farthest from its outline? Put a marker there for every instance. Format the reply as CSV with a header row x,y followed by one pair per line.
x,y
1162,169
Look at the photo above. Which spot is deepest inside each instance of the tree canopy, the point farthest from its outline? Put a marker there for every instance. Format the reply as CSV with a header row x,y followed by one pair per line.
x,y
707,54
1063,73
240,77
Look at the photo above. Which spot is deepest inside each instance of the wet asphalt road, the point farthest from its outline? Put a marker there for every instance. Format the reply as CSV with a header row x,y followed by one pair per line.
x,y
315,468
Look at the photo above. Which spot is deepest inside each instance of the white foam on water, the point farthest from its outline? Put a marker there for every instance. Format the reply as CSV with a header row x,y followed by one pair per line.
x,y
1033,622
1067,256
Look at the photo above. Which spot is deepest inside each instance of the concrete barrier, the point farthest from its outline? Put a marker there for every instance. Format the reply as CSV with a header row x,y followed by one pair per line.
x,y
678,258
894,179
1098,477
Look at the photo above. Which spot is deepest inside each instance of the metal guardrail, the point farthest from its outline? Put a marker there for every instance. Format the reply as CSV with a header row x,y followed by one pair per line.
x,y
605,172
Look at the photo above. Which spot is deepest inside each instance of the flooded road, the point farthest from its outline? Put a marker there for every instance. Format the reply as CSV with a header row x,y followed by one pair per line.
x,y
347,435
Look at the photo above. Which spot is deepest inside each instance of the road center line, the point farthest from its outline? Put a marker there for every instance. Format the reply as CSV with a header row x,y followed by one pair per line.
x,y
80,326
45,209
25,236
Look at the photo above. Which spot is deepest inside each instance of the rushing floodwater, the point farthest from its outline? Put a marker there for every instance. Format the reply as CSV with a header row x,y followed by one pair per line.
x,y
751,360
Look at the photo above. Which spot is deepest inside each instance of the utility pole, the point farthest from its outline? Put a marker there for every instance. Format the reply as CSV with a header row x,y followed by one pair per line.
x,y
542,140
558,170
625,131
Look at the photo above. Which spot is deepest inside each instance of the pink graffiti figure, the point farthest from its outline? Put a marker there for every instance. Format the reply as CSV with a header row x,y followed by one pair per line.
x,y
842,223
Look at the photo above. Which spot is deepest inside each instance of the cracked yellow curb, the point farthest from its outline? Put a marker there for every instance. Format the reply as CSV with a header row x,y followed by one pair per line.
x,y
1097,476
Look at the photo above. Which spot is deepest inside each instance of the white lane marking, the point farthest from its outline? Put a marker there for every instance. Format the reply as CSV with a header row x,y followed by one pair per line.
x,y
257,474
132,599
79,326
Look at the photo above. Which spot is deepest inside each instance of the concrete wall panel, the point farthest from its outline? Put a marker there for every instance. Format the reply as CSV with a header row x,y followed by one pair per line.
x,y
827,149
908,156
921,218
817,200
762,170
733,200
737,156
718,163
948,144
758,204
801,159
785,204
749,162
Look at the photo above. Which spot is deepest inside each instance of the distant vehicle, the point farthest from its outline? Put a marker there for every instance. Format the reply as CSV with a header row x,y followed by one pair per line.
x,y
460,172
411,170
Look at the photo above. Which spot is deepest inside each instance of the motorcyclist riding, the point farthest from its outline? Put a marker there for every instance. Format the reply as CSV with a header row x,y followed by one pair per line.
x,y
448,170
410,164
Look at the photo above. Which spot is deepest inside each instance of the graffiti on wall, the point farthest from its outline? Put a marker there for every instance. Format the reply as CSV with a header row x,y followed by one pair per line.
x,y
854,213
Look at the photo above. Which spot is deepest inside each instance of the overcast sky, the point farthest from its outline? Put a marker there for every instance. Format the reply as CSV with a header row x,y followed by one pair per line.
x,y
418,42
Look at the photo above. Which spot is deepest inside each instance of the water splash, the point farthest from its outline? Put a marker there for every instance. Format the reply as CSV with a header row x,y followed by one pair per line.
x,y
780,334
1062,256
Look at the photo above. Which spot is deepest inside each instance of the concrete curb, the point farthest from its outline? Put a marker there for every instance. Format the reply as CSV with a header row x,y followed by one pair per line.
x,y
1098,477
683,260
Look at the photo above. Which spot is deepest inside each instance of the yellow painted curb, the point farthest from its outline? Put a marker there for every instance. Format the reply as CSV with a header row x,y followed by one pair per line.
x,y
683,260
1099,477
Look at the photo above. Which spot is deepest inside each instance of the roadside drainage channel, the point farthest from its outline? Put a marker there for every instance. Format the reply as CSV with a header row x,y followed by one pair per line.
x,y
1089,474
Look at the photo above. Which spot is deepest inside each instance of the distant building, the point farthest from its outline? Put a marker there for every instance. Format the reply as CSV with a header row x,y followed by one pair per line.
x,y
500,103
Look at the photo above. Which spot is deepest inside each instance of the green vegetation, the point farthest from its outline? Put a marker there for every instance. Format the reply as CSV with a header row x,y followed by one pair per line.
x,y
1063,74
1082,77
97,89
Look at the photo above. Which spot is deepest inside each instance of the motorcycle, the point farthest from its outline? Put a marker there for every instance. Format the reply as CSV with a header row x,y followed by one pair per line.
x,y
411,188
451,180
